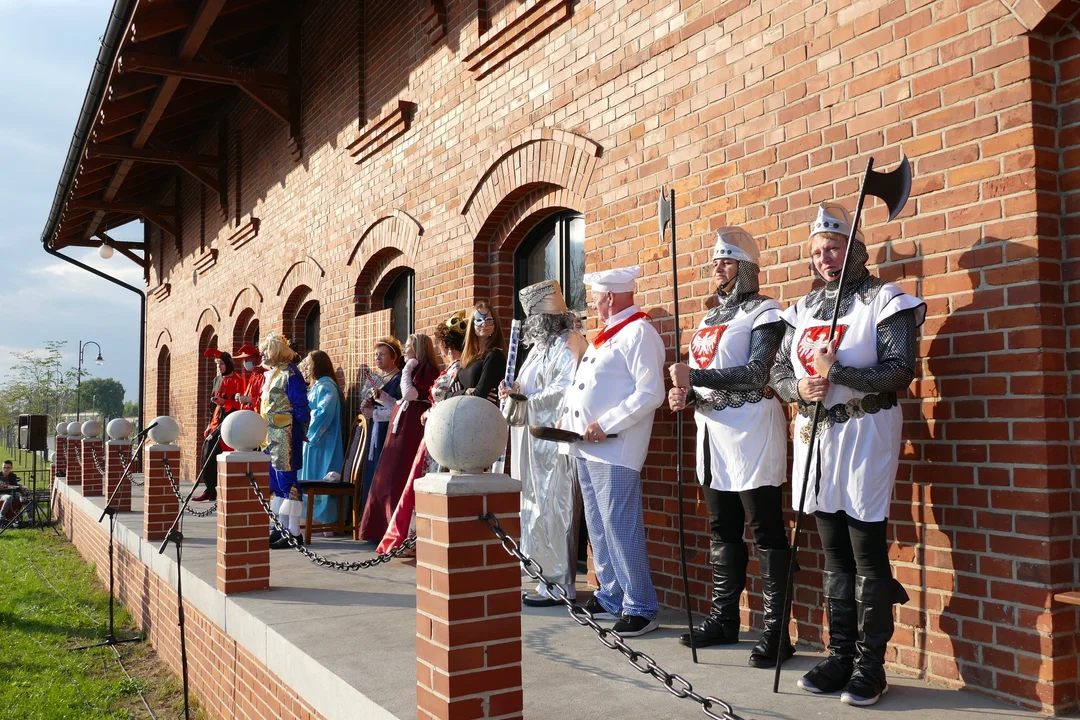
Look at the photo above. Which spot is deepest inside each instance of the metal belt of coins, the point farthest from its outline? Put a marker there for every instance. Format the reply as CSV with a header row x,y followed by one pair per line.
x,y
409,544
176,491
840,413
675,684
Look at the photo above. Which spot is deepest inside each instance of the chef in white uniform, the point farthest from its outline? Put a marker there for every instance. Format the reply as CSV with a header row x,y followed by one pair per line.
x,y
741,443
616,391
854,457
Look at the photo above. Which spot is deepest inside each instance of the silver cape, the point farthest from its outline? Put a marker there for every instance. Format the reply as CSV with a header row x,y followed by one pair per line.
x,y
549,493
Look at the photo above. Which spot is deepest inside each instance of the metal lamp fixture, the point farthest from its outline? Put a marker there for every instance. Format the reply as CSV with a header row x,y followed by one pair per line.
x,y
105,251
78,378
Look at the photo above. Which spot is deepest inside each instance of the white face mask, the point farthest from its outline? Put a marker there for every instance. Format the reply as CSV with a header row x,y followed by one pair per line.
x,y
248,365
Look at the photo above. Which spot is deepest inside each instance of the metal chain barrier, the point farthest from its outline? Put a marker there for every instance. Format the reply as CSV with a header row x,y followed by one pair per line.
x,y
131,474
176,491
409,544
78,456
97,460
675,684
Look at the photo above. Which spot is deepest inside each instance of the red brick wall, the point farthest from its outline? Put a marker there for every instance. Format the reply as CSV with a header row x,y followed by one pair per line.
x,y
753,112
226,679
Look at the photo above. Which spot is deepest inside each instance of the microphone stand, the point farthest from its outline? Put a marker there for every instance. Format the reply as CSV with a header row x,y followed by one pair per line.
x,y
176,535
110,638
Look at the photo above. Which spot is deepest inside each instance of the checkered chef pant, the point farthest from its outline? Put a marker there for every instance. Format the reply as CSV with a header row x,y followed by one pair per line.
x,y
612,499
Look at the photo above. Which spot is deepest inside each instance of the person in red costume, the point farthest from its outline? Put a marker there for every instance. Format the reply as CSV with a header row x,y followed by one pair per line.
x,y
253,374
225,401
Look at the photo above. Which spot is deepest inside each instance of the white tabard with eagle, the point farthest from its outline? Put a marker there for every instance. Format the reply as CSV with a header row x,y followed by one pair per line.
x,y
859,458
747,444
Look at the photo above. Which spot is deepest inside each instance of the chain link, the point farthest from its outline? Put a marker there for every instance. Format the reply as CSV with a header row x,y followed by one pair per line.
x,y
409,544
675,684
97,460
176,491
131,474
78,456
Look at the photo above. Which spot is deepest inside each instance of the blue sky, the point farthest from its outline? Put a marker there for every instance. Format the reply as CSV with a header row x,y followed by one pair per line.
x,y
47,52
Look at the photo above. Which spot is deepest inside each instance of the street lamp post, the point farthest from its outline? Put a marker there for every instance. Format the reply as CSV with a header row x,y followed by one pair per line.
x,y
49,383
78,378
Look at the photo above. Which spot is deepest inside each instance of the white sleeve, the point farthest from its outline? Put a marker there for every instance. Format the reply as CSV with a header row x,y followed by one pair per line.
x,y
645,360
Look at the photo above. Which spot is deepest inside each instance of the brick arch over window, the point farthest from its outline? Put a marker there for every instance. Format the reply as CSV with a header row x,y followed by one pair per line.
x,y
164,335
388,246
249,296
245,327
209,317
542,172
543,160
307,273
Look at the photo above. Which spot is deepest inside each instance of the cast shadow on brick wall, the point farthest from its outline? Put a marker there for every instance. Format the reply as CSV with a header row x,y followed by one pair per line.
x,y
941,541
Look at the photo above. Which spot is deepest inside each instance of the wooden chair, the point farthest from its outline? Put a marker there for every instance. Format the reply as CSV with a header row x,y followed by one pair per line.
x,y
347,491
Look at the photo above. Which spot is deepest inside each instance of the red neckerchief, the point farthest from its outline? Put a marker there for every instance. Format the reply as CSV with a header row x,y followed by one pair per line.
x,y
610,332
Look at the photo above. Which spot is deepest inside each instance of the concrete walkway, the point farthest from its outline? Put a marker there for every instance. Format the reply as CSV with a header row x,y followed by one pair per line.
x,y
346,642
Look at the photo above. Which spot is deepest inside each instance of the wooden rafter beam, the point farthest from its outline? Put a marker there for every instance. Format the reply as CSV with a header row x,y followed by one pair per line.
x,y
201,71
198,27
122,207
148,155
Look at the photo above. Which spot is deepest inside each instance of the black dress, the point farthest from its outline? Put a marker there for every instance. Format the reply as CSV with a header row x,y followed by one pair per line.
x,y
483,375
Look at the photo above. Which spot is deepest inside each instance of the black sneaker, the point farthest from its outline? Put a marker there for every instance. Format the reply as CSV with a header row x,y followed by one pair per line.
x,y
275,535
284,541
597,610
634,625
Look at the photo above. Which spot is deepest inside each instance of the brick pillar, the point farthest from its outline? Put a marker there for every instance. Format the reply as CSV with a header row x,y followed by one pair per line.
x,y
93,482
73,468
468,599
243,529
114,470
159,501
60,466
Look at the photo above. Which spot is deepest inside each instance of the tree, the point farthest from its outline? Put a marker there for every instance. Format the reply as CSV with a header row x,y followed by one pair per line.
x,y
37,384
131,409
104,395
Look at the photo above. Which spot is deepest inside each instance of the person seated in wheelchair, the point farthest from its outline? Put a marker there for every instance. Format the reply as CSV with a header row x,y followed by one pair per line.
x,y
10,503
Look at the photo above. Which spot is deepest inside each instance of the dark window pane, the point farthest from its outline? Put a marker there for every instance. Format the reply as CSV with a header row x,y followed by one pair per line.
x,y
311,328
399,299
575,264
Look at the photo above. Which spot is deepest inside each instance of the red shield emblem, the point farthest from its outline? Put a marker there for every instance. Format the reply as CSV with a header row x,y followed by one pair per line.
x,y
812,341
703,345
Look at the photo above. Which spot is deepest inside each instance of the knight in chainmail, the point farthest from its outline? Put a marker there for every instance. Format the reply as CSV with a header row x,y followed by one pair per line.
x,y
741,443
854,454
550,498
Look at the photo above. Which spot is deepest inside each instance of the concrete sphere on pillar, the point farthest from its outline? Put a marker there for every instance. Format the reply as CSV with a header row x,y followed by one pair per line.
x,y
119,429
74,429
91,429
52,456
465,434
61,428
165,431
244,430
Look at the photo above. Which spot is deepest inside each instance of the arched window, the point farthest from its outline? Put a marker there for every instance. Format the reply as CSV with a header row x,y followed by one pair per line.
x,y
205,380
399,299
164,380
553,250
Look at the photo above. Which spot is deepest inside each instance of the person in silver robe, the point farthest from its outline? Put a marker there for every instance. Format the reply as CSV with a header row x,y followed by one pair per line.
x,y
550,498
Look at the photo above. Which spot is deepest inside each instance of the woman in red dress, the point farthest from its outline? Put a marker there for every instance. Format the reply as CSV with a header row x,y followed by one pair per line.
x,y
450,337
406,432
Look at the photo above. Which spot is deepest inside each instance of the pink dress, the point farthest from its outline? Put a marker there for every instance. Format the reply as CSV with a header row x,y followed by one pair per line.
x,y
404,517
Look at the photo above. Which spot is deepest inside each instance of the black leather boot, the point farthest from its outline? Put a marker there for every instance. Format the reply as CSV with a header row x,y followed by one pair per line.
x,y
774,571
832,674
729,579
875,597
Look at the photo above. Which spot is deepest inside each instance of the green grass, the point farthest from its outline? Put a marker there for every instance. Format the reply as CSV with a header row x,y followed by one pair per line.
x,y
23,462
50,602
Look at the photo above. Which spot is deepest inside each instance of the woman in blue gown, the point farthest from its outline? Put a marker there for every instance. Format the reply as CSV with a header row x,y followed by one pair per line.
x,y
323,451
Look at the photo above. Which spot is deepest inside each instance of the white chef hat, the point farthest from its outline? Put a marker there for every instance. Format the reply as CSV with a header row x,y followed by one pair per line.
x,y
734,243
543,298
833,218
616,280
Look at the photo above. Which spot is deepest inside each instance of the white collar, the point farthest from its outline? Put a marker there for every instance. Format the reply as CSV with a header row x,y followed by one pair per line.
x,y
620,316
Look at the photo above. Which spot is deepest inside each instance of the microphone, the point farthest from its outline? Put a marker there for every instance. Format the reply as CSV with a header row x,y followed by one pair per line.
x,y
152,426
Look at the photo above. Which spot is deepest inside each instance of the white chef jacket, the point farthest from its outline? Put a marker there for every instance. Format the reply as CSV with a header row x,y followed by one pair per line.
x,y
859,458
747,444
620,385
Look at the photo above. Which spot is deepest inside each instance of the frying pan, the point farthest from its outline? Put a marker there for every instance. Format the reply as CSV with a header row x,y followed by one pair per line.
x,y
558,435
